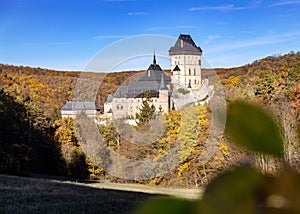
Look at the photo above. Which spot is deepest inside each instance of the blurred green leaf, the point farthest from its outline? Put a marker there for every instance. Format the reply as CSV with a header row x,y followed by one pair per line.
x,y
233,192
166,205
250,126
283,193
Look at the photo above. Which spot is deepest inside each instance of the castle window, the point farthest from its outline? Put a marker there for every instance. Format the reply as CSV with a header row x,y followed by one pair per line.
x,y
189,71
195,71
189,85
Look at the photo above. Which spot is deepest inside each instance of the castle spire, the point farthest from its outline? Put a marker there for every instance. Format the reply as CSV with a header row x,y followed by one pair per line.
x,y
154,58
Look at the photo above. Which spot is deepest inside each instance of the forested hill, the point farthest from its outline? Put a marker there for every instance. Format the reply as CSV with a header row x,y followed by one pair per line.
x,y
51,89
270,63
34,139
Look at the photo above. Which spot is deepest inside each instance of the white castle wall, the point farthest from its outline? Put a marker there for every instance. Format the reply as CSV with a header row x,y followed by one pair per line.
x,y
190,70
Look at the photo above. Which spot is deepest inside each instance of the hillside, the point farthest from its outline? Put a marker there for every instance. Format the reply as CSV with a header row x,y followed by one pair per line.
x,y
35,139
268,63
51,89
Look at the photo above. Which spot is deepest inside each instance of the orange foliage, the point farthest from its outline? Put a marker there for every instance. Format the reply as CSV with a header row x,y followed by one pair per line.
x,y
295,99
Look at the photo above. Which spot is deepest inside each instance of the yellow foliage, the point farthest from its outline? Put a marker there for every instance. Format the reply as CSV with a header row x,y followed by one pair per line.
x,y
188,132
202,118
219,159
224,149
231,81
182,168
22,79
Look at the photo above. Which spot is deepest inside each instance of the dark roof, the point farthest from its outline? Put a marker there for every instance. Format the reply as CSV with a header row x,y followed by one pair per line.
x,y
141,87
176,68
185,45
120,92
109,98
162,85
137,88
79,106
151,82
146,85
154,73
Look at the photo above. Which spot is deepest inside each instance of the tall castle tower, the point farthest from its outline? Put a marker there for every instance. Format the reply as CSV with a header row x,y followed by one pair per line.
x,y
185,58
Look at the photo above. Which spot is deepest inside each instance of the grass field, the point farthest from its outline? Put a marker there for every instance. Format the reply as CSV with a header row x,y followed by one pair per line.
x,y
36,195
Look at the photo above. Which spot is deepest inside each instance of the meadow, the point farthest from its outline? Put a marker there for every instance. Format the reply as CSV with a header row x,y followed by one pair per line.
x,y
55,195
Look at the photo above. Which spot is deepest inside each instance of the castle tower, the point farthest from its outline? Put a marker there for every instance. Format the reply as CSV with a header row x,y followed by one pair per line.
x,y
185,59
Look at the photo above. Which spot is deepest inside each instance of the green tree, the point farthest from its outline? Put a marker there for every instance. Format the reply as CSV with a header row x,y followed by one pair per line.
x,y
147,110
264,88
110,135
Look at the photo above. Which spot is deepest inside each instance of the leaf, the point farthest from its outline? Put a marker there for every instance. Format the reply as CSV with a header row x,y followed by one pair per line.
x,y
233,192
166,205
282,193
251,127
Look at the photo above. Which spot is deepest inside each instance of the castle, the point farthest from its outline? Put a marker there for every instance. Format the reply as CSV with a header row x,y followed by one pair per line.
x,y
183,87
185,60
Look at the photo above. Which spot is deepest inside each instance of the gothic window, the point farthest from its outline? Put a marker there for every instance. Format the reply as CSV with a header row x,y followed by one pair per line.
x,y
189,71
121,107
189,85
195,82
199,62
195,71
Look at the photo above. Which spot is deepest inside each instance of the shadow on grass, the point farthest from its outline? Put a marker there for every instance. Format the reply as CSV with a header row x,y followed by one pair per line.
x,y
32,195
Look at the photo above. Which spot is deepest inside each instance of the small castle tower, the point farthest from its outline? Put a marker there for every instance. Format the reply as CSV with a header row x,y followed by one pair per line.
x,y
185,59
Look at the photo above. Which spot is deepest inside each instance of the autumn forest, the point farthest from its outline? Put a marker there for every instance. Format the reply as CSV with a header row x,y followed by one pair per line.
x,y
35,139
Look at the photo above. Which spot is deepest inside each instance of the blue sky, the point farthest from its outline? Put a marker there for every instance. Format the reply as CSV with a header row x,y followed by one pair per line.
x,y
65,35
